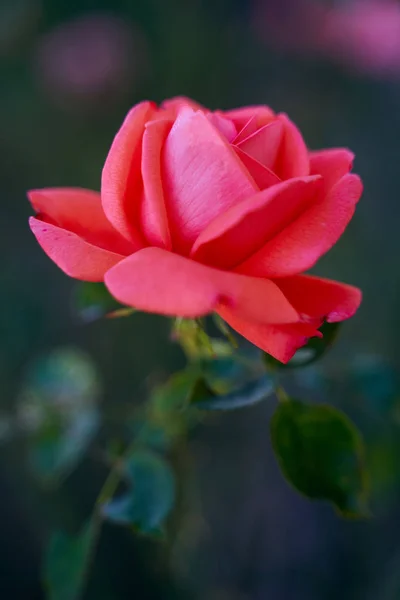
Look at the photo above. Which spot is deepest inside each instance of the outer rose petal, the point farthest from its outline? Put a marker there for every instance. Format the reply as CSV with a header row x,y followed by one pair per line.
x,y
153,214
293,158
76,257
121,182
298,247
332,164
202,177
244,228
321,298
281,341
158,281
79,211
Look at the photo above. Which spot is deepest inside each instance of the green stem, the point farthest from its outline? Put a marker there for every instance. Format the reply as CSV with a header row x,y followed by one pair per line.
x,y
110,485
281,394
226,332
106,493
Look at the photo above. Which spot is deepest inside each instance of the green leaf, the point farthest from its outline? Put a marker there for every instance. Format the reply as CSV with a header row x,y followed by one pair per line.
x,y
152,435
66,563
321,454
168,408
169,414
151,496
201,392
92,301
56,450
226,374
312,351
58,410
204,398
63,381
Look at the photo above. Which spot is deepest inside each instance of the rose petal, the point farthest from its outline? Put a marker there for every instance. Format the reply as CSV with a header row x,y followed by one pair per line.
x,y
246,131
263,145
154,218
79,211
332,164
293,160
241,230
158,281
321,298
225,126
280,341
76,257
121,183
262,176
241,116
202,177
298,247
173,105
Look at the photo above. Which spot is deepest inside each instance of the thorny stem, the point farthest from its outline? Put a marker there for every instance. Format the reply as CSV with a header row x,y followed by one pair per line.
x,y
106,493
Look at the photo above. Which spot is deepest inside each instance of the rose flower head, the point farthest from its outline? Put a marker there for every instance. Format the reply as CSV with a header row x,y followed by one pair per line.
x,y
203,212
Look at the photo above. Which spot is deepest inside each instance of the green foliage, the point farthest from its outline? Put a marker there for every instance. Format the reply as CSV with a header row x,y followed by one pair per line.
x,y
312,351
58,409
92,301
56,449
66,563
196,342
321,454
150,497
319,450
225,330
172,396
224,374
168,409
65,377
251,393
152,435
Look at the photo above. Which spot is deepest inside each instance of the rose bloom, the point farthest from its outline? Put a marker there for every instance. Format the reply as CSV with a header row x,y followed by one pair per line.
x,y
204,212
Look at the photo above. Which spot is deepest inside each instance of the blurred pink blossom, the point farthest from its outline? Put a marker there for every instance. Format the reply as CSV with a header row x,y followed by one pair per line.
x,y
366,35
361,34
90,60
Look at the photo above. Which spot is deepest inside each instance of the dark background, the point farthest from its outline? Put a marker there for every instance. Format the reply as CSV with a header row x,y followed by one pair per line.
x,y
70,72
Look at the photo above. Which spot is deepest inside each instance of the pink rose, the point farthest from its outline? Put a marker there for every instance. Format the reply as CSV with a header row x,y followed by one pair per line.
x,y
206,212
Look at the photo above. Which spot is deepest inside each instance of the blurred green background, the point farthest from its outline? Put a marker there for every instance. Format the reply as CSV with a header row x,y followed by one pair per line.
x,y
70,71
